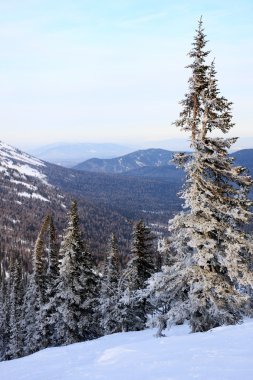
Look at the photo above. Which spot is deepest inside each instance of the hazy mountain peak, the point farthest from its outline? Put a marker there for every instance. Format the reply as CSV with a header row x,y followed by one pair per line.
x,y
70,154
132,161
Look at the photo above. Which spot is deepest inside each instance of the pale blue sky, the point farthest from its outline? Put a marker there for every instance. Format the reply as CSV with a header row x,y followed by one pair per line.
x,y
78,70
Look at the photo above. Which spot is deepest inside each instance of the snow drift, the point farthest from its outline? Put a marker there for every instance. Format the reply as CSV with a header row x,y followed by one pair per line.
x,y
224,353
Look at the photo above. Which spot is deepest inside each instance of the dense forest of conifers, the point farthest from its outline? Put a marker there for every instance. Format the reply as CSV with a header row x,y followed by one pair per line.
x,y
67,298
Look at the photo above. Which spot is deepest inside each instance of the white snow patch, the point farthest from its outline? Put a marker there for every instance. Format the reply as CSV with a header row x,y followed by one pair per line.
x,y
21,163
24,194
27,170
224,353
3,169
28,185
14,221
13,153
140,163
33,195
40,197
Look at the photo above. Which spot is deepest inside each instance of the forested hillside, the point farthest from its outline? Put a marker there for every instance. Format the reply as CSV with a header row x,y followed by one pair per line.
x,y
128,162
31,189
28,194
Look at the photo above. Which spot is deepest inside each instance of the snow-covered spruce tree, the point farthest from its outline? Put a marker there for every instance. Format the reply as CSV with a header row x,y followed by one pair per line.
x,y
76,299
205,285
31,317
53,255
157,297
33,309
4,320
167,254
139,269
109,293
52,280
14,348
40,261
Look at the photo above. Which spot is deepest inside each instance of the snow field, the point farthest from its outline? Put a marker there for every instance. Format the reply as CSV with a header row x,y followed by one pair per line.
x,y
224,353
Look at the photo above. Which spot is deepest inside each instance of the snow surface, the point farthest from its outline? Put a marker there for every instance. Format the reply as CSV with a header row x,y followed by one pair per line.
x,y
224,353
13,153
26,165
33,195
28,185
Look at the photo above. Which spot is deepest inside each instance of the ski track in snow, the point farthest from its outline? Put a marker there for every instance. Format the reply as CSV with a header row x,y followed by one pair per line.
x,y
224,353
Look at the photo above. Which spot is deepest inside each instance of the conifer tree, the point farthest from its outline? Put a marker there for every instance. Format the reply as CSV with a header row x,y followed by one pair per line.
x,y
139,269
109,294
4,325
52,281
205,284
76,300
40,260
53,256
35,297
14,347
159,298
30,312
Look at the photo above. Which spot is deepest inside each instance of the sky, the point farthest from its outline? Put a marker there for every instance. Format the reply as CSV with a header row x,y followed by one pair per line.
x,y
114,70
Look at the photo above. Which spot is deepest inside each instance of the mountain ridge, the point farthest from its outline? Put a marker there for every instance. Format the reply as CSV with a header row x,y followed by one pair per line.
x,y
132,161
67,154
151,162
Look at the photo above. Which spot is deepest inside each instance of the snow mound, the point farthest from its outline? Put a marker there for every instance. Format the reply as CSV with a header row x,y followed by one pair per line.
x,y
224,353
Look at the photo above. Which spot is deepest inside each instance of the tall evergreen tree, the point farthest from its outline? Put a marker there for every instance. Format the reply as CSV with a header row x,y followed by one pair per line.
x,y
205,284
76,300
139,269
52,281
40,261
14,347
52,253
35,297
4,315
109,294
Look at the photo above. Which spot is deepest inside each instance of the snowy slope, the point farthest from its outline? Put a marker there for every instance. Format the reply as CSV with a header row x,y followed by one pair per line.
x,y
224,353
31,189
17,164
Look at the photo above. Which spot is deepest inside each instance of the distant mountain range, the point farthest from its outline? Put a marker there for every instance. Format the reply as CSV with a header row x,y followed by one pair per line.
x,y
155,163
129,162
69,155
